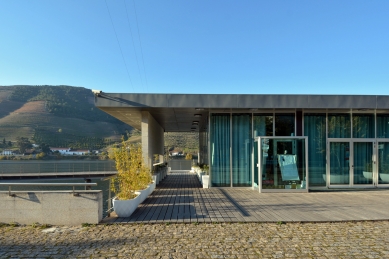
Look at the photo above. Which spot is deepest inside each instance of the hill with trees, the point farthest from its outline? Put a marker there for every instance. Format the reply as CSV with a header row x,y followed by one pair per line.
x,y
62,116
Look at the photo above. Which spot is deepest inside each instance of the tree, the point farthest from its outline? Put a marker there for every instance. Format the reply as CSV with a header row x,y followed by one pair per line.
x,y
41,155
45,148
23,144
4,141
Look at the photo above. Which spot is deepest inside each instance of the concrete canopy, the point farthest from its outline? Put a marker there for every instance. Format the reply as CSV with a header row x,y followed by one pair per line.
x,y
178,112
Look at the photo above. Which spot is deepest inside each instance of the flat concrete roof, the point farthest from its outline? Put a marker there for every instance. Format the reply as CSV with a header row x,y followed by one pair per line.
x,y
176,112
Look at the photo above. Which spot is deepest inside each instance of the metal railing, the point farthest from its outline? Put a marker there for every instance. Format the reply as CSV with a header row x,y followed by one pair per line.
x,y
46,184
56,167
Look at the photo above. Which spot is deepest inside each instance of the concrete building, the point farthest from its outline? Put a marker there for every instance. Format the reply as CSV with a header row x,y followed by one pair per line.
x,y
269,142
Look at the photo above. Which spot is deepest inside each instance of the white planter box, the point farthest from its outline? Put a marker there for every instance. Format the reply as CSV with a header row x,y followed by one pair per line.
x,y
205,181
144,193
124,208
200,174
151,187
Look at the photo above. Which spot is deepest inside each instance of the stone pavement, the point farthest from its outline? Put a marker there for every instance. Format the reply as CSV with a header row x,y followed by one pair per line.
x,y
365,239
180,198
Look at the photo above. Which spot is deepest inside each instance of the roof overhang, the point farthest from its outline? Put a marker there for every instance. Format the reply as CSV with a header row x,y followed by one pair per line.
x,y
182,112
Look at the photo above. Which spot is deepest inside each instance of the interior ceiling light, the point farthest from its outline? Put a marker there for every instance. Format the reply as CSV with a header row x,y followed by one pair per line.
x,y
199,109
198,115
195,122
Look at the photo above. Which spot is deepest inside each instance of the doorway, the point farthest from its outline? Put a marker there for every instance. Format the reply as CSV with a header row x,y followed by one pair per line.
x,y
352,163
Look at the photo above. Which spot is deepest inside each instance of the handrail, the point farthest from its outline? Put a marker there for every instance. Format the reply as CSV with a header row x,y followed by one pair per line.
x,y
46,184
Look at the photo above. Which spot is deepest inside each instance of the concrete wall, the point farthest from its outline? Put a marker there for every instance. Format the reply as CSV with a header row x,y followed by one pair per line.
x,y
52,207
152,138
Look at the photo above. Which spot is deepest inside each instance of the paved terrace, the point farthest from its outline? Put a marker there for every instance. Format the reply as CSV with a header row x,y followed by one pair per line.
x,y
180,199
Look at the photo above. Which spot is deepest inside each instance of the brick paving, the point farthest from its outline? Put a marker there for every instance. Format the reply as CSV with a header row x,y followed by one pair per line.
x,y
180,199
366,239
181,220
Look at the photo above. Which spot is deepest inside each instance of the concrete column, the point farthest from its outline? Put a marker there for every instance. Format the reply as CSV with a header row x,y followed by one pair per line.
x,y
152,138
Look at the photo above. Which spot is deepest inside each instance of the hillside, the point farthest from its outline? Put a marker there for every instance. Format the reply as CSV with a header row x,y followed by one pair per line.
x,y
56,115
187,141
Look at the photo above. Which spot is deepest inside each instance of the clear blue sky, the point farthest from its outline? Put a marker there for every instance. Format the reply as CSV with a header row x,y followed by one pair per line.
x,y
218,46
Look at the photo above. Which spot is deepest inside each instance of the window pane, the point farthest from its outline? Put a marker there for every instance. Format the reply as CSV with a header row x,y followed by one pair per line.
x,y
241,150
220,149
263,125
382,125
339,163
383,163
339,126
363,164
315,130
284,125
363,126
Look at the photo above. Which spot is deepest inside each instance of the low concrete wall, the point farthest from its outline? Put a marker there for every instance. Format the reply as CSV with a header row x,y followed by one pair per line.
x,y
52,207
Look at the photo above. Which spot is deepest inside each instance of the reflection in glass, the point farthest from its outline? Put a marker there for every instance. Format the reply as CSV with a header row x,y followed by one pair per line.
x,y
241,150
363,126
220,149
315,129
339,126
382,125
339,163
284,124
283,163
263,125
363,164
383,163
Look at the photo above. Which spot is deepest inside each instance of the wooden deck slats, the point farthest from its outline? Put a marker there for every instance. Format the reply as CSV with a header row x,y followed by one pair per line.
x,y
181,199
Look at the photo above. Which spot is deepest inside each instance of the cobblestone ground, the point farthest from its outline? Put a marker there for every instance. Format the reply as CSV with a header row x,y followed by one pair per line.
x,y
369,239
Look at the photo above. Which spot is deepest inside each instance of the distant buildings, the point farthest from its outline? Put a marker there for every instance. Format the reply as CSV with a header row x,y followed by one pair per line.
x,y
69,151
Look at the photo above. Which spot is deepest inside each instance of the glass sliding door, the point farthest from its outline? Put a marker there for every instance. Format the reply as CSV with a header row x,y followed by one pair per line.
x,y
339,163
282,163
363,163
351,163
241,150
220,144
383,163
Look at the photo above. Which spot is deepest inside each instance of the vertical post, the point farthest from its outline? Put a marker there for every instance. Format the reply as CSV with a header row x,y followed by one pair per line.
x,y
9,190
88,187
109,197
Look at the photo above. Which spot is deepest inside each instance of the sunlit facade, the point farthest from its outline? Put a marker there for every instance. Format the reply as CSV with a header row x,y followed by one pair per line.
x,y
275,143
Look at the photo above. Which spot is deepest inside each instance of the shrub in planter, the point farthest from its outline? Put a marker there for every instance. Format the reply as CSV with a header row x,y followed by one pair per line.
x,y
133,174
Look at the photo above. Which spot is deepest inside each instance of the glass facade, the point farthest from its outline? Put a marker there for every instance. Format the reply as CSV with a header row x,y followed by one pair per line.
x,y
340,149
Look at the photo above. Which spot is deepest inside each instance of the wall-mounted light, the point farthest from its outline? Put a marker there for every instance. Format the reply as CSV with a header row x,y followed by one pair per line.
x,y
195,123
